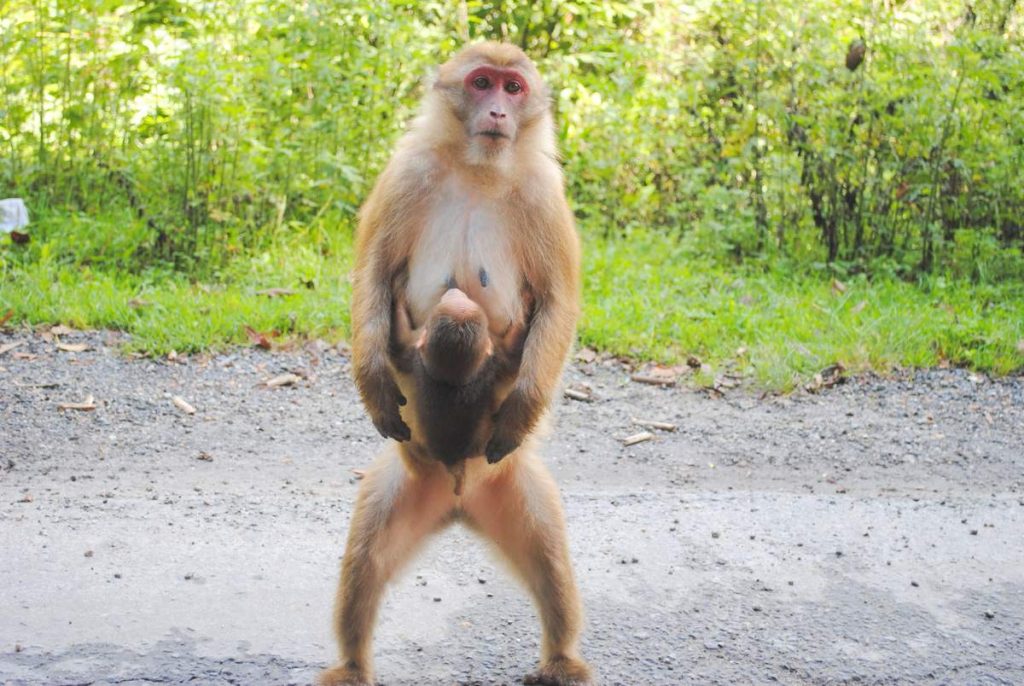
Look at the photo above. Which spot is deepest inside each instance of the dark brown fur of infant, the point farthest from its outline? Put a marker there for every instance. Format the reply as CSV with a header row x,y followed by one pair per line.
x,y
458,370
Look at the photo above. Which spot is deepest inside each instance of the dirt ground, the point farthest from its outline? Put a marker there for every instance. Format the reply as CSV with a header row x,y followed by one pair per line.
x,y
870,534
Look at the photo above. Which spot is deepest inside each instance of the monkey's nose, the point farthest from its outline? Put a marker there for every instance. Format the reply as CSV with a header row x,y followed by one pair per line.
x,y
498,115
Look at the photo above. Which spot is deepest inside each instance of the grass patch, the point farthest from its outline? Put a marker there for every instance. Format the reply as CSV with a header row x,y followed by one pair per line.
x,y
646,298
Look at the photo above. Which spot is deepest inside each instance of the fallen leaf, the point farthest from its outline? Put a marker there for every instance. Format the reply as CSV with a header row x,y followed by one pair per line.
x,y
827,378
276,292
138,303
359,473
20,238
586,355
859,307
88,404
73,347
637,438
7,347
741,351
6,316
27,498
61,330
260,339
838,287
204,456
182,405
283,380
28,357
652,424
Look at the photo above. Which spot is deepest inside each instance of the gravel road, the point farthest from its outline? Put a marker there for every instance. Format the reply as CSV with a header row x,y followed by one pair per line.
x,y
869,534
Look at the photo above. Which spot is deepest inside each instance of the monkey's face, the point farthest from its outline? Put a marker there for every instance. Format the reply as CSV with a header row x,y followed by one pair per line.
x,y
494,92
496,99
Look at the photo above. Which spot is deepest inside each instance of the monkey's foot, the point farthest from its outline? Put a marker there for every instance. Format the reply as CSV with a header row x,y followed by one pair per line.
x,y
561,671
344,675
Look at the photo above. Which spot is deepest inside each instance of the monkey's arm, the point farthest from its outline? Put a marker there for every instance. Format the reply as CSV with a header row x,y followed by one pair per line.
x,y
551,332
372,307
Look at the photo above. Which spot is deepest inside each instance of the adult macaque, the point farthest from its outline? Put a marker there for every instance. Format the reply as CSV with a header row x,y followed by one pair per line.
x,y
472,199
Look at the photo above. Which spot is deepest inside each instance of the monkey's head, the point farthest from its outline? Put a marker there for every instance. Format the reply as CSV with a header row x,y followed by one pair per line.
x,y
492,97
451,347
455,343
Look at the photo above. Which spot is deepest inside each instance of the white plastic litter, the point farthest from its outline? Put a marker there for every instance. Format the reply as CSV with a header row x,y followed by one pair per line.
x,y
13,214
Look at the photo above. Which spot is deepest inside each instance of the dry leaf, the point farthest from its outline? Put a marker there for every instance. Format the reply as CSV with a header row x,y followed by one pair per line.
x,y
838,287
204,456
138,303
637,438
7,347
27,498
283,380
276,292
859,307
6,316
586,355
73,347
359,473
827,378
652,424
88,404
28,357
260,339
182,405
741,351
61,330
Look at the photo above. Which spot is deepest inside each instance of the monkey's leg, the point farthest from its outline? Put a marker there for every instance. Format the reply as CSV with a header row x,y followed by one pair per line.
x,y
395,511
520,511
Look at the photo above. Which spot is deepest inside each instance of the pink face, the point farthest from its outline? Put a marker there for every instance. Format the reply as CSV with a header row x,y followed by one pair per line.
x,y
497,96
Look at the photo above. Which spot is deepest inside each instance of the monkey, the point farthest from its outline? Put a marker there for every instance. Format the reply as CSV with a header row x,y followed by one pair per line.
x,y
473,196
456,369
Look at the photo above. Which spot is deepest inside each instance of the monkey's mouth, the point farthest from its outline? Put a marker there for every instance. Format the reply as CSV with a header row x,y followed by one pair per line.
x,y
493,134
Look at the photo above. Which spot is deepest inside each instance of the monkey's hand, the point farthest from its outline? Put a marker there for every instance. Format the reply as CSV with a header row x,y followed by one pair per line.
x,y
512,424
383,398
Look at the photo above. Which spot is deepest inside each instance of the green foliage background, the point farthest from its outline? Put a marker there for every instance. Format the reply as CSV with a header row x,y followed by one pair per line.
x,y
186,141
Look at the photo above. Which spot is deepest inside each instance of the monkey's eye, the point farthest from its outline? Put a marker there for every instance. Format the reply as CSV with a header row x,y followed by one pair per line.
x,y
482,82
513,87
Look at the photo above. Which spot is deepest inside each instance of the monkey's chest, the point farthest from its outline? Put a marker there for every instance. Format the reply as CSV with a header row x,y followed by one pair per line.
x,y
466,245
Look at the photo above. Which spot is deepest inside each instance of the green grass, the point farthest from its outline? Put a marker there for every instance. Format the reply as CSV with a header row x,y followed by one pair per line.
x,y
647,298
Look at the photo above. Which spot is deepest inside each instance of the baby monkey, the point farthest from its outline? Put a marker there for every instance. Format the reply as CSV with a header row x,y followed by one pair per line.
x,y
459,375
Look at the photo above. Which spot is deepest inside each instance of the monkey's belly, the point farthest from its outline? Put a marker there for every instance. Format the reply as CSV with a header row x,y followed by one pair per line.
x,y
465,245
